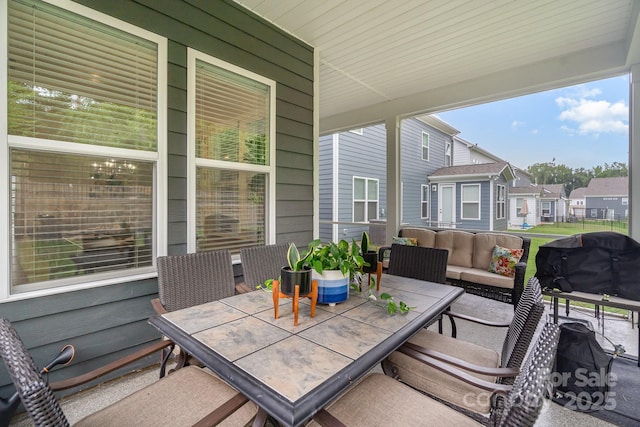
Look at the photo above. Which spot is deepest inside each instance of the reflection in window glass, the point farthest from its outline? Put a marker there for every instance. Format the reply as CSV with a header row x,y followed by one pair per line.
x,y
75,215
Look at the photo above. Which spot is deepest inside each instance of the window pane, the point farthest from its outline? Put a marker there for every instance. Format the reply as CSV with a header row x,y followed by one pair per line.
x,y
425,193
372,189
470,193
232,116
230,209
77,80
358,211
73,215
358,189
425,210
372,210
470,210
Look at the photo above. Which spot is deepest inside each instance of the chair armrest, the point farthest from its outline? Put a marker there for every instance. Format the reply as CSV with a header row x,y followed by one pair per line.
x,y
459,363
84,378
477,320
456,373
157,306
518,282
382,251
243,288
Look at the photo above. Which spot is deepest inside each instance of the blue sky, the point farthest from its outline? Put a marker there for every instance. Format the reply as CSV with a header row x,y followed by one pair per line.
x,y
580,126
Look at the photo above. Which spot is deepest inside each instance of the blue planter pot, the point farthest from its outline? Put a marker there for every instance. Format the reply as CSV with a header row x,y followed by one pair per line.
x,y
333,286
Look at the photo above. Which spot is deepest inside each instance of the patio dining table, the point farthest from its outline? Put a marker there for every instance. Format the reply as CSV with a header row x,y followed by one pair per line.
x,y
291,372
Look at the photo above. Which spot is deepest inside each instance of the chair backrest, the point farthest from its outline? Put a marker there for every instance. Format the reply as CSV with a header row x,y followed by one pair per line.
x,y
192,279
260,263
35,393
521,407
418,262
523,326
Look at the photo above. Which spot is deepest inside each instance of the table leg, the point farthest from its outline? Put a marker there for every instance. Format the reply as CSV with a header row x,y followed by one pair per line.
x,y
275,293
555,309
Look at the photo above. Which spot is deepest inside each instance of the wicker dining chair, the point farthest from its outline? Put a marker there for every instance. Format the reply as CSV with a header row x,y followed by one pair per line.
x,y
187,397
260,263
418,262
481,362
191,279
518,405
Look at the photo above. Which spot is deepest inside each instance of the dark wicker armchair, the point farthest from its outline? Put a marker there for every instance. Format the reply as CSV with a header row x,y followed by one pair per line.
x,y
260,263
518,405
408,363
418,262
185,398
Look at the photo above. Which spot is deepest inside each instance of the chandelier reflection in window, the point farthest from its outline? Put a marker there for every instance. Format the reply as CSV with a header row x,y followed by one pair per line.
x,y
112,172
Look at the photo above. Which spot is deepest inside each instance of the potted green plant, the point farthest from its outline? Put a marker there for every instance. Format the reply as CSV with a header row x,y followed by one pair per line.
x,y
370,256
334,266
297,272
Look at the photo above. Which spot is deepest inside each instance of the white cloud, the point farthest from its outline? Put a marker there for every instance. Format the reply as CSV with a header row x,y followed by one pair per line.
x,y
516,124
591,116
535,131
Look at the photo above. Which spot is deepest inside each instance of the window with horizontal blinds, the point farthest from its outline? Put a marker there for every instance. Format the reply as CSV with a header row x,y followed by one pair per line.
x,y
232,118
76,215
77,80
80,215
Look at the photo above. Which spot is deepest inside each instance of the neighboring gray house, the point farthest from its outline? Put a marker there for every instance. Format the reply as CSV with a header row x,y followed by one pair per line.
x,y
471,196
607,198
445,180
354,164
104,153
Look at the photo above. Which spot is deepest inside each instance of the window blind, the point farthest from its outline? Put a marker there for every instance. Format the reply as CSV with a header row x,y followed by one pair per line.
x,y
74,79
74,215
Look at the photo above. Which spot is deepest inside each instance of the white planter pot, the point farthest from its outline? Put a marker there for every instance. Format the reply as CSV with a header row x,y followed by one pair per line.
x,y
333,286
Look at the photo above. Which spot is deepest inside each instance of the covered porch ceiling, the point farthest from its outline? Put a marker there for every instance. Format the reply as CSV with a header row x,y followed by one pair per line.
x,y
385,58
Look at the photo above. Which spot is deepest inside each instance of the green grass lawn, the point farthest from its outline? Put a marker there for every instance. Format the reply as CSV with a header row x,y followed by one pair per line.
x,y
569,229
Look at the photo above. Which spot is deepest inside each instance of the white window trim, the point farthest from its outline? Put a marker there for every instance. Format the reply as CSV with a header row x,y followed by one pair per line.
x,y
502,202
479,202
193,162
365,200
428,146
422,201
448,155
160,156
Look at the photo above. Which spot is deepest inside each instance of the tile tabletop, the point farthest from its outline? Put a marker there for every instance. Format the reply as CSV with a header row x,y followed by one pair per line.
x,y
289,370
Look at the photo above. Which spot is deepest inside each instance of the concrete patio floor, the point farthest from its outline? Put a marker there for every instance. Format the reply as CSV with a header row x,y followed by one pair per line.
x,y
617,329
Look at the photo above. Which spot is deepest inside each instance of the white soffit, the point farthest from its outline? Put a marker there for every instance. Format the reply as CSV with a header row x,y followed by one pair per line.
x,y
381,58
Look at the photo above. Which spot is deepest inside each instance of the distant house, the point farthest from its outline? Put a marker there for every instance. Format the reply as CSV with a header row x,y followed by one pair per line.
x,y
607,198
544,203
528,196
467,153
577,202
553,203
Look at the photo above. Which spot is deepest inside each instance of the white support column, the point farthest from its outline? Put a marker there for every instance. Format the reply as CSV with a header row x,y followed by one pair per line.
x,y
634,152
394,194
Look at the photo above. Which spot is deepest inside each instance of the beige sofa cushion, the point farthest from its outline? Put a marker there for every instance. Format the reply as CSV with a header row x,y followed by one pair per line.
x,y
483,277
440,384
460,246
425,238
484,244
